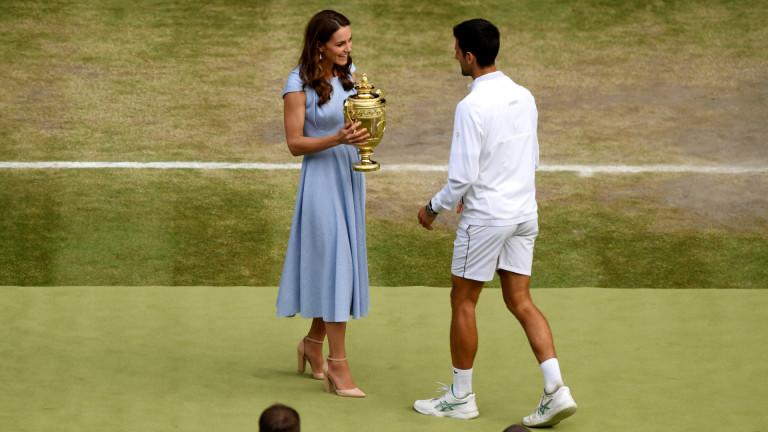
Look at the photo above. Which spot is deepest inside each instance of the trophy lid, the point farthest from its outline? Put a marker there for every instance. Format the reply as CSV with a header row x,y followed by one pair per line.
x,y
364,90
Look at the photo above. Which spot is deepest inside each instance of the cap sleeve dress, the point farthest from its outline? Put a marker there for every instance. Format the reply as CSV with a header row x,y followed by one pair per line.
x,y
325,274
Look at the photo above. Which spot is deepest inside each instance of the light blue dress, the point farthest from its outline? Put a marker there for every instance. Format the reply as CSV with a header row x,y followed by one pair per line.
x,y
325,274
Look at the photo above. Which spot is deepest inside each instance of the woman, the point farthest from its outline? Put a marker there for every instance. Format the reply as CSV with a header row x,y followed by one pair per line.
x,y
325,275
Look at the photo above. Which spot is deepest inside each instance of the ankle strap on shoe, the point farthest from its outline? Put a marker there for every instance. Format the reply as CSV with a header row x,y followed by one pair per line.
x,y
312,340
337,360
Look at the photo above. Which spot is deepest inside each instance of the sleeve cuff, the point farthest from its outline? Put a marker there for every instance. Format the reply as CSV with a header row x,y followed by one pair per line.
x,y
436,211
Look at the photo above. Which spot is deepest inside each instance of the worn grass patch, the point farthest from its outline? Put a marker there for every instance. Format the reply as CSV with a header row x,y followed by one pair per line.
x,y
106,80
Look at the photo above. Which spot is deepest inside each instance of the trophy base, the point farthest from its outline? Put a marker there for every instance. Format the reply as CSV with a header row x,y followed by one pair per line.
x,y
366,166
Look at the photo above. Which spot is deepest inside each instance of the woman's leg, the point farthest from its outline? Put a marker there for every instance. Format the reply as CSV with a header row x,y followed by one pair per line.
x,y
338,370
313,350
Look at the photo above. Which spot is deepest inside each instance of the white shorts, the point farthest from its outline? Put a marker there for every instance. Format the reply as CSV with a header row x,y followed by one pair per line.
x,y
481,250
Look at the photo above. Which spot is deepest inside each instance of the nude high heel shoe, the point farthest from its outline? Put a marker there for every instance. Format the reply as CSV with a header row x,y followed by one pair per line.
x,y
303,359
331,386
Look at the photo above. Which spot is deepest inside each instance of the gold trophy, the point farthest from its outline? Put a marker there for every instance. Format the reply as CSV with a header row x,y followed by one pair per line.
x,y
369,108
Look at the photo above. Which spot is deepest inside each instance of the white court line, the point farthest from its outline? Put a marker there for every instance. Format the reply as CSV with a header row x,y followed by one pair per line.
x,y
588,170
149,165
584,170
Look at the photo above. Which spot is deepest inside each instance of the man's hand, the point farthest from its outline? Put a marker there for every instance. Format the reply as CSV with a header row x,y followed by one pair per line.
x,y
426,220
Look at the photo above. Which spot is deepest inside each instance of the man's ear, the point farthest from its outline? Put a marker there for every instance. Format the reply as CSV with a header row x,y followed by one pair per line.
x,y
471,59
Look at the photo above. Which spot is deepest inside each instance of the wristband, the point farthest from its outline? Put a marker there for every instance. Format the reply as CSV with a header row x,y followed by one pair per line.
x,y
430,212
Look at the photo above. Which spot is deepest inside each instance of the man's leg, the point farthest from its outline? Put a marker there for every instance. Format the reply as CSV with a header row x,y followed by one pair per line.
x,y
557,403
458,401
464,296
515,288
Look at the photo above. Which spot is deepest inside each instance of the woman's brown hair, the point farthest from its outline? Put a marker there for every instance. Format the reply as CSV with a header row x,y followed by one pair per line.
x,y
319,31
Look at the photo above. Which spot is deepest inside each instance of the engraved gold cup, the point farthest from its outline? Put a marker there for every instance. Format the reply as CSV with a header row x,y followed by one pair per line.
x,y
370,108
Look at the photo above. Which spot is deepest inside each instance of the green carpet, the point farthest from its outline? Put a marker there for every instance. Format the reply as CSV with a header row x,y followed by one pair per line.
x,y
212,358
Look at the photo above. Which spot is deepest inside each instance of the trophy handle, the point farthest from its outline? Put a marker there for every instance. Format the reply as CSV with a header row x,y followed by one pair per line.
x,y
381,126
348,105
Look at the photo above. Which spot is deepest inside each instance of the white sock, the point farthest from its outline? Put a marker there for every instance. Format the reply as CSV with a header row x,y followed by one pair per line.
x,y
552,377
462,382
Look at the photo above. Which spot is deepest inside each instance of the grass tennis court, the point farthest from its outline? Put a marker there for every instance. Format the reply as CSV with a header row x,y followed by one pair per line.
x,y
143,300
187,227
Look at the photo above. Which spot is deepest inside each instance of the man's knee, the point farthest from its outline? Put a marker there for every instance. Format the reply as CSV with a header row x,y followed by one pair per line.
x,y
460,299
464,292
521,307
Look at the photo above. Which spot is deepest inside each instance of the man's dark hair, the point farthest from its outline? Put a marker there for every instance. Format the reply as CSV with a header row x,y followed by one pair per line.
x,y
479,37
279,418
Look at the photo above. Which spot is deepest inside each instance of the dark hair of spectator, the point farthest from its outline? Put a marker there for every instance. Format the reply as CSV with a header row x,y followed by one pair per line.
x,y
279,418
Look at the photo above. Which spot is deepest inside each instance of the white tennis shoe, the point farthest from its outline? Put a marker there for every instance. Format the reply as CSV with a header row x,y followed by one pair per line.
x,y
552,409
448,405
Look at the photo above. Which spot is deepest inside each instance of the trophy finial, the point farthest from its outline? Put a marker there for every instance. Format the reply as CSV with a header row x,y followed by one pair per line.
x,y
364,82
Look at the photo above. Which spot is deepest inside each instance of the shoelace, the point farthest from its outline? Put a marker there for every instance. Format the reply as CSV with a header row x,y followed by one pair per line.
x,y
542,408
444,389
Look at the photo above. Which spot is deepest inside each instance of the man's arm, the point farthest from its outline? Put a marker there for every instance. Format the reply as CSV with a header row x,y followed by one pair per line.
x,y
463,167
464,164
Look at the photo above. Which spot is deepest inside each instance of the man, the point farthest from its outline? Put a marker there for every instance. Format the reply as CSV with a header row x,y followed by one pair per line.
x,y
494,155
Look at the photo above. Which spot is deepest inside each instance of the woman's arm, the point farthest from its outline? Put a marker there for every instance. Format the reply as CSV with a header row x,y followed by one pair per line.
x,y
293,113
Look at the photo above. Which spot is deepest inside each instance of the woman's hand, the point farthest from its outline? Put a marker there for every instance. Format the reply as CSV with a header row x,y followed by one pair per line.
x,y
349,134
299,145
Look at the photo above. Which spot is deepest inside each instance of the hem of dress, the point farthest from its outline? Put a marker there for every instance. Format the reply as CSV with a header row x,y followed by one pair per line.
x,y
351,317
